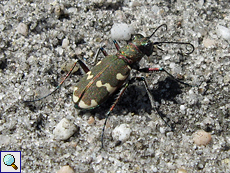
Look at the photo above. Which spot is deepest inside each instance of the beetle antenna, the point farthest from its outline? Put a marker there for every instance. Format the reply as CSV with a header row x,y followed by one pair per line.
x,y
189,47
163,25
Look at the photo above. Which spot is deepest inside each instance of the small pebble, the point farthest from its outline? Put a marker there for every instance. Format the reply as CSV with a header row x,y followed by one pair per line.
x,y
121,133
181,170
208,42
201,2
135,4
155,9
22,29
182,109
65,43
226,161
59,10
59,50
200,166
162,130
201,137
65,169
66,66
223,32
227,77
91,120
64,129
121,31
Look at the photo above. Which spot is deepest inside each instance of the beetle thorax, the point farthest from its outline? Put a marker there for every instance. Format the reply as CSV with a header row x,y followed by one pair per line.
x,y
130,53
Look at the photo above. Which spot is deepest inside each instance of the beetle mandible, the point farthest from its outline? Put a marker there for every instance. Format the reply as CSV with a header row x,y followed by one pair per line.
x,y
112,72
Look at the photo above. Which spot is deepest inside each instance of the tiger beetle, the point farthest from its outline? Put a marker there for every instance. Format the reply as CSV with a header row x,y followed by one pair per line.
x,y
112,73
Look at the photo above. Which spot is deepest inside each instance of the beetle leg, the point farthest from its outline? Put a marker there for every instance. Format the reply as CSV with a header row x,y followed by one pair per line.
x,y
153,105
101,49
116,45
110,110
118,97
83,65
85,68
147,70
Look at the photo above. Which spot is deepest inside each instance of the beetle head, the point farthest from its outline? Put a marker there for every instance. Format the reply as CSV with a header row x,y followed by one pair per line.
x,y
143,44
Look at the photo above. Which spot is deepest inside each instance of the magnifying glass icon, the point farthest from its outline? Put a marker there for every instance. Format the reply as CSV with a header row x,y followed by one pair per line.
x,y
9,160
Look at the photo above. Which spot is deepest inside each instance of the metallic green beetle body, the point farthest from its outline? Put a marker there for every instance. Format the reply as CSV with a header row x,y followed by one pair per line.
x,y
107,75
98,84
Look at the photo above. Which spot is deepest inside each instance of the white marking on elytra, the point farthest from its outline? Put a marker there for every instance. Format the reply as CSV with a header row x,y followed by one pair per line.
x,y
89,75
108,87
129,67
119,76
75,98
81,104
98,63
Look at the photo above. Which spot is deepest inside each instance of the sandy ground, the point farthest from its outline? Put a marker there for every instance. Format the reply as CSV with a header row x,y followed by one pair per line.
x,y
38,37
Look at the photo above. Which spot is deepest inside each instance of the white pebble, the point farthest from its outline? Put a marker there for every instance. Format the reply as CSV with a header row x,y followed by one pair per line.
x,y
201,2
121,31
64,129
65,169
166,57
162,130
182,107
155,9
201,137
22,29
206,100
223,32
65,43
208,42
121,133
60,50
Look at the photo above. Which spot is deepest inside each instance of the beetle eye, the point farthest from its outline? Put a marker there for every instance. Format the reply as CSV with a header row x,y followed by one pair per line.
x,y
136,36
147,48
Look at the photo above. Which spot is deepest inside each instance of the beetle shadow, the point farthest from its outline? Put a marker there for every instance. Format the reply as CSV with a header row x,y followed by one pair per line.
x,y
167,89
133,100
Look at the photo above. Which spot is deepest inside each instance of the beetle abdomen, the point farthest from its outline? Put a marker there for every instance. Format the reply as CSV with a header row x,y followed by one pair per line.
x,y
104,79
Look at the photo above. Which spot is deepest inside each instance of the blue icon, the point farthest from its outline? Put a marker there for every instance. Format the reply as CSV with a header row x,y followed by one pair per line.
x,y
9,160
